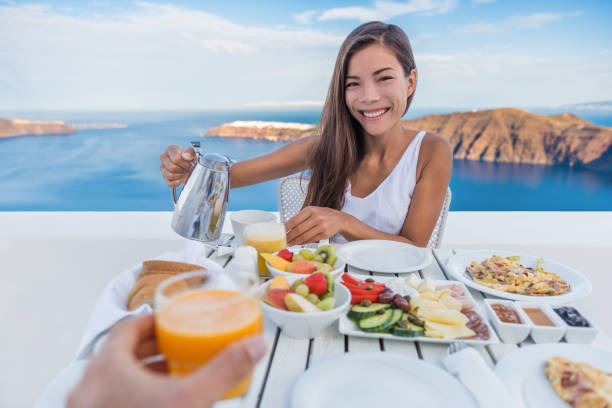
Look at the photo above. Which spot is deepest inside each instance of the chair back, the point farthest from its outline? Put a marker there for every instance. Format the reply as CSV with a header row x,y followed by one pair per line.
x,y
292,193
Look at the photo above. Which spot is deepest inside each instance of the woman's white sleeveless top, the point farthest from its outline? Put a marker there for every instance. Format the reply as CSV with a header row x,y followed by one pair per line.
x,y
386,207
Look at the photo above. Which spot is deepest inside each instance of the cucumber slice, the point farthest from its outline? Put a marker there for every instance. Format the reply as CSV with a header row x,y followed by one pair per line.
x,y
395,317
361,312
409,330
370,323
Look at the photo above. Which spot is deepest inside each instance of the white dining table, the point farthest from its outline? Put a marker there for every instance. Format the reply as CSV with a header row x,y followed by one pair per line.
x,y
288,358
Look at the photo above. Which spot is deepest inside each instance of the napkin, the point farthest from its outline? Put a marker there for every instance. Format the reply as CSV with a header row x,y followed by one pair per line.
x,y
477,377
111,306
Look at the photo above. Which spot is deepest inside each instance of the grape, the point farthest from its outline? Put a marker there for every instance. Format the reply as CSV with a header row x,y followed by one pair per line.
x,y
312,298
302,290
295,284
327,304
306,254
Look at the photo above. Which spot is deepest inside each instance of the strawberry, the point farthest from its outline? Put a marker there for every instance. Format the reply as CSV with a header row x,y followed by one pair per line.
x,y
316,283
286,255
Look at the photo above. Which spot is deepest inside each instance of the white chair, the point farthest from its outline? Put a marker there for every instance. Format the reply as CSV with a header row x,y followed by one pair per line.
x,y
292,193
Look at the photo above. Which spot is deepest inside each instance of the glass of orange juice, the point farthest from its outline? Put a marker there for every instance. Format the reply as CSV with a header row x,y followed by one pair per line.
x,y
200,313
265,237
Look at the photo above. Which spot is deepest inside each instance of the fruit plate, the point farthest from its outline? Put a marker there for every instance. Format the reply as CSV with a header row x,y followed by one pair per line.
x,y
580,286
378,379
338,266
349,327
385,256
523,371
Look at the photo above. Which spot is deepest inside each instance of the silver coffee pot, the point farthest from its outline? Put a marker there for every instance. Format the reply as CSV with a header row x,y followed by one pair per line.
x,y
199,211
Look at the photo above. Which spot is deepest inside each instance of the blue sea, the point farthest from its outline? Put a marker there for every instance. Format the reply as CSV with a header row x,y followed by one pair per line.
x,y
117,169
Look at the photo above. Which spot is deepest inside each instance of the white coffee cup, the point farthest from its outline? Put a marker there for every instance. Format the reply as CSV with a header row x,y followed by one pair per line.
x,y
240,219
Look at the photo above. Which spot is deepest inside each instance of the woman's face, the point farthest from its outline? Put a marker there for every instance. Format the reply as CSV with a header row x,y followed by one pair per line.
x,y
377,89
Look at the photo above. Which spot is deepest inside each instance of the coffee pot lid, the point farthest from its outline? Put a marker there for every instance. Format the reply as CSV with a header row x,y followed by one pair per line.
x,y
215,161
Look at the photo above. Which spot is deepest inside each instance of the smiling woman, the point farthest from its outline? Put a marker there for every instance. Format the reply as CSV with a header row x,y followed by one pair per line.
x,y
370,178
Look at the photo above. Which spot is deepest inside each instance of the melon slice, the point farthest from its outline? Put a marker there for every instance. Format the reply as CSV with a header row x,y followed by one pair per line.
x,y
276,298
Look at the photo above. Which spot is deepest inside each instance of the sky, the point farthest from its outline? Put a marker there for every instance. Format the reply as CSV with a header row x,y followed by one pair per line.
x,y
109,55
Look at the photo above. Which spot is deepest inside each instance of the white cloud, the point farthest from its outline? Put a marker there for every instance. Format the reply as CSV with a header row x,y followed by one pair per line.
x,y
385,10
515,22
305,17
486,79
152,56
482,1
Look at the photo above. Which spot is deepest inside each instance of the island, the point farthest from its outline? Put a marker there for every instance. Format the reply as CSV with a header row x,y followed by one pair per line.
x,y
507,135
260,130
21,127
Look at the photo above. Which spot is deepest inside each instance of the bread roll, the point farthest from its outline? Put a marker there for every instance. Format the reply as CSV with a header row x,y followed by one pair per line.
x,y
153,273
155,266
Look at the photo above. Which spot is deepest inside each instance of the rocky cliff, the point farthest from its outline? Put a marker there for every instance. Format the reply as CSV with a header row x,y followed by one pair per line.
x,y
514,135
20,127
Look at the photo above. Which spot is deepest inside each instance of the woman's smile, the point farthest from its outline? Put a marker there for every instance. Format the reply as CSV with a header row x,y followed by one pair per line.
x,y
374,114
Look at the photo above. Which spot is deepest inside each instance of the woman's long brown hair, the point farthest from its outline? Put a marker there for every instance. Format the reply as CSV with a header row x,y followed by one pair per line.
x,y
340,144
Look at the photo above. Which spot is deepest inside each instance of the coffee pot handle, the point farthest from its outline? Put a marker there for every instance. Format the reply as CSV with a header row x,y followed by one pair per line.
x,y
196,147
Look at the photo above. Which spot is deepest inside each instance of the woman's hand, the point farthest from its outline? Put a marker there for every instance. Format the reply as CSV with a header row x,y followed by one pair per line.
x,y
176,165
116,378
313,224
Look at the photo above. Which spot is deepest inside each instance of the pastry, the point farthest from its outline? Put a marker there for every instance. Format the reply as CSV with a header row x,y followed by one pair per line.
x,y
579,384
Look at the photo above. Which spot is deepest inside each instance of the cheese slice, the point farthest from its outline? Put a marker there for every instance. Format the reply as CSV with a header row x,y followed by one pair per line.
x,y
450,302
413,280
425,285
445,331
427,294
442,292
416,303
450,317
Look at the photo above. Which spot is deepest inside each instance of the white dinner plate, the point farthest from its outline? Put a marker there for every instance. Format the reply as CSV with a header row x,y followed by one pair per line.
x,y
350,328
580,286
378,379
385,256
523,371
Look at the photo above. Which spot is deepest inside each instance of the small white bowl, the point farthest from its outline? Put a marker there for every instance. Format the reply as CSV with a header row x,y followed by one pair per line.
x,y
544,334
338,269
307,325
511,333
577,334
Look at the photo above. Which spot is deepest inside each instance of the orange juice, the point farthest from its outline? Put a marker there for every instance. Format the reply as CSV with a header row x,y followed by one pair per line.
x,y
191,329
265,237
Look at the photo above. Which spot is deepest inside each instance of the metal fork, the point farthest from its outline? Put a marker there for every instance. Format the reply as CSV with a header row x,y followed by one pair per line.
x,y
455,347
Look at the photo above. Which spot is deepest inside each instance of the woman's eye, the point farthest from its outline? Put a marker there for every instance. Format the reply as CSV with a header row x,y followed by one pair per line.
x,y
386,78
351,84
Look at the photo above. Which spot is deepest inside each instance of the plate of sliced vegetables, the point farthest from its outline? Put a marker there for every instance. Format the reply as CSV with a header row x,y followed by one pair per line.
x,y
414,309
518,276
